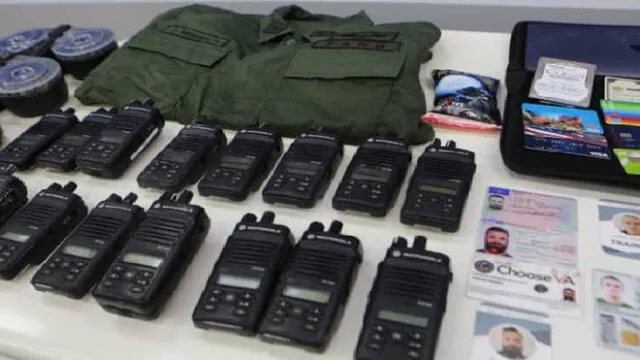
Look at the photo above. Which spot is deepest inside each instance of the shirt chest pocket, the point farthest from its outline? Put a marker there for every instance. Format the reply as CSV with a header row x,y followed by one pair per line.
x,y
187,44
342,89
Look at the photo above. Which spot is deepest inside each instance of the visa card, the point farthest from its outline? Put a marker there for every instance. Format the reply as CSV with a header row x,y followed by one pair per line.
x,y
564,130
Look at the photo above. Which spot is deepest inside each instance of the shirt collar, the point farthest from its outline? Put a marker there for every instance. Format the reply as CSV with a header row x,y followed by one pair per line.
x,y
278,24
273,26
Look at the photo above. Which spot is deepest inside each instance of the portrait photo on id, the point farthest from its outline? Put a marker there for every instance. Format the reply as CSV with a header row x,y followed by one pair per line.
x,y
620,228
504,333
496,241
615,290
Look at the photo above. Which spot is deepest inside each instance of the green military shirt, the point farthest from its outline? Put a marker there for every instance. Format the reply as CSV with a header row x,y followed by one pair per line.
x,y
174,59
353,80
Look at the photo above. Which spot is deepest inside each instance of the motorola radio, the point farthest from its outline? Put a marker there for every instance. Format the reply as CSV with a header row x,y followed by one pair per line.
x,y
130,131
243,165
374,176
30,235
406,304
242,280
147,270
76,265
184,160
439,187
22,151
312,291
13,194
305,171
61,155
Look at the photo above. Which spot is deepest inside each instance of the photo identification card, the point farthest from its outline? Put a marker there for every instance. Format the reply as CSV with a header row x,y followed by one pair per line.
x,y
506,333
564,130
526,252
622,89
617,314
563,81
620,228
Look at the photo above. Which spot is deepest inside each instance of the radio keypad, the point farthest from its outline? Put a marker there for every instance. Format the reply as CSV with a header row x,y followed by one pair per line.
x,y
61,151
6,252
135,280
15,150
67,268
227,175
363,189
164,169
308,316
429,200
293,183
240,301
380,335
104,149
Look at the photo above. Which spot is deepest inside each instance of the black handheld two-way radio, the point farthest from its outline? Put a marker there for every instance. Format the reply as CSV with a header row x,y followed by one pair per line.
x,y
80,261
242,166
147,270
374,176
439,187
129,133
406,304
22,151
183,161
242,280
313,288
33,232
13,194
305,171
61,155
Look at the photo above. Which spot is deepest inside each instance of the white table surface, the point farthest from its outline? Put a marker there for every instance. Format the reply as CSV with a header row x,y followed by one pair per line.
x,y
35,325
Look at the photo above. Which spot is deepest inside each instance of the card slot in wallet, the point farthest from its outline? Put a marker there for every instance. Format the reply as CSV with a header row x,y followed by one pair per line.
x,y
547,163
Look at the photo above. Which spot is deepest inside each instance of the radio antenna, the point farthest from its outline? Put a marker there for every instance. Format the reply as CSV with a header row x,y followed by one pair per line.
x,y
131,198
249,217
267,217
420,243
70,187
185,197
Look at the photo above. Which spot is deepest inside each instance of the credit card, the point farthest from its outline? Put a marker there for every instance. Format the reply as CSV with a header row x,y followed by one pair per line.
x,y
623,121
564,130
622,89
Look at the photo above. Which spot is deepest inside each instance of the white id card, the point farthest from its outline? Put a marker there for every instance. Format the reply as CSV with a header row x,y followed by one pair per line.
x,y
505,333
527,252
620,228
617,310
621,89
563,81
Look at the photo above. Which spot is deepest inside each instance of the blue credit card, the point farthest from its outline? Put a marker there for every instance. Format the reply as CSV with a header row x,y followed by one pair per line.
x,y
564,130
626,136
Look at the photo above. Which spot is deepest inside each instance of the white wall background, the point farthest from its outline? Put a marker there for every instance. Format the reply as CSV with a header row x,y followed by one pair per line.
x,y
128,16
578,4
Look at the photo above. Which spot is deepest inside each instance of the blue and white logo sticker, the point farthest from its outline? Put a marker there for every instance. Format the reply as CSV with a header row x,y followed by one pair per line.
x,y
26,73
21,41
80,43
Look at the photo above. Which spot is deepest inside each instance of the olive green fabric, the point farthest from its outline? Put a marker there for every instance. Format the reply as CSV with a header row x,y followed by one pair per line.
x,y
182,47
163,60
293,69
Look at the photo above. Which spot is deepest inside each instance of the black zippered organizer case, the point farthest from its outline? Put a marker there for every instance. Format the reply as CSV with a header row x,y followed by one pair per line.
x,y
616,52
